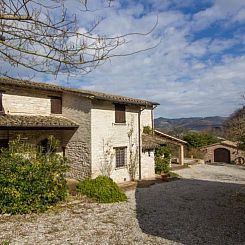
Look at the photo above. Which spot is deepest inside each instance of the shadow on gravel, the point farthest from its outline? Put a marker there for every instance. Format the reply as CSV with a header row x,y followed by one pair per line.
x,y
193,211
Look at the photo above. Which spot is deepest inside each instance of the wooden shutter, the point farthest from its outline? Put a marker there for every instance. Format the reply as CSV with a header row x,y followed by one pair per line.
x,y
56,105
120,113
1,102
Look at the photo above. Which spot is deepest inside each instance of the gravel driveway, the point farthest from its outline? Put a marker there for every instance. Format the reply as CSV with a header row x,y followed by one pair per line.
x,y
206,206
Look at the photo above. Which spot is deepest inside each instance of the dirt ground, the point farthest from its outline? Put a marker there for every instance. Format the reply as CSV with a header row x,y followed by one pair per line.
x,y
205,206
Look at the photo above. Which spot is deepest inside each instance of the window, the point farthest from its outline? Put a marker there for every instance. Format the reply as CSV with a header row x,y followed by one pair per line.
x,y
45,146
4,143
120,113
121,156
56,105
1,103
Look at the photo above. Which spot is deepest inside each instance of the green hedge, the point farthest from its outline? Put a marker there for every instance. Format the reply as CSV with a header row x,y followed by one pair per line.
x,y
29,180
102,189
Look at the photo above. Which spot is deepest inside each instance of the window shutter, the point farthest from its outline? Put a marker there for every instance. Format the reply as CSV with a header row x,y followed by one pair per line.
x,y
1,102
120,113
56,105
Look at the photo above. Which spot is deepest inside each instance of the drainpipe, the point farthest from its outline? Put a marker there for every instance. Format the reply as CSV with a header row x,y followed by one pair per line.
x,y
139,138
152,119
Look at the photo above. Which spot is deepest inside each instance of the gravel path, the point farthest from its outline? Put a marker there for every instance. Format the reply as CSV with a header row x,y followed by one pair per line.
x,y
206,206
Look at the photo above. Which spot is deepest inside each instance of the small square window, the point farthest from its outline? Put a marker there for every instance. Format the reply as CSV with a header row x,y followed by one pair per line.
x,y
56,105
121,156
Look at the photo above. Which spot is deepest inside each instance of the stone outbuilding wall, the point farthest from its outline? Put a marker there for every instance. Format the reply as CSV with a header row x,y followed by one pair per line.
x,y
235,154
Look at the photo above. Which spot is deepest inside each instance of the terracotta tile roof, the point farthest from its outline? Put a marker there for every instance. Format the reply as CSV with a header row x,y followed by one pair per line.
x,y
229,143
169,137
150,142
20,121
223,142
88,93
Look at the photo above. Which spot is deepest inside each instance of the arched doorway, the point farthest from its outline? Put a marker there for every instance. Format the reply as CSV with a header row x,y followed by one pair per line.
x,y
222,155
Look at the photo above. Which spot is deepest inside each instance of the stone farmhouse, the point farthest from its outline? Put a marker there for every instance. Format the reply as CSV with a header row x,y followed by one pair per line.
x,y
99,133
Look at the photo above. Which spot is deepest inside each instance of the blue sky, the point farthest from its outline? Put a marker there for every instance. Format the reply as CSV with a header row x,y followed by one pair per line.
x,y
198,69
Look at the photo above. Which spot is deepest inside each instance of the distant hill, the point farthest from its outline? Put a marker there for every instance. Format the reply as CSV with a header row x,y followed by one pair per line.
x,y
192,123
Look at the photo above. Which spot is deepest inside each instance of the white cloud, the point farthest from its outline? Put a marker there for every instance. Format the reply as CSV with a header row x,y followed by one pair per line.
x,y
180,73
240,17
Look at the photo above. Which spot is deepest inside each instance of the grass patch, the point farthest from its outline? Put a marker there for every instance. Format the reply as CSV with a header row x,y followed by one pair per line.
x,y
173,175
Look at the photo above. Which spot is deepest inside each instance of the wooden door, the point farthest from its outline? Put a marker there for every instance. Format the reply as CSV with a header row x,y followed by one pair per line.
x,y
222,155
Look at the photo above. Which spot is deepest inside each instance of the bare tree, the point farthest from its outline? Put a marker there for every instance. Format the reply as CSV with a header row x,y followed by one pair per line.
x,y
133,152
42,36
107,158
235,126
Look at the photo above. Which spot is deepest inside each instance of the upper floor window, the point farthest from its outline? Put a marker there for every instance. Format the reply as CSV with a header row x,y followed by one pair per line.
x,y
120,113
1,103
56,105
121,156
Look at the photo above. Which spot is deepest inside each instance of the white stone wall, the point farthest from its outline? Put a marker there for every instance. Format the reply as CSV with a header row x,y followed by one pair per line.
x,y
148,165
106,135
26,104
146,118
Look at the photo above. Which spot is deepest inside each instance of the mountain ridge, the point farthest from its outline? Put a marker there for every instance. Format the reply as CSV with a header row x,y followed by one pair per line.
x,y
190,123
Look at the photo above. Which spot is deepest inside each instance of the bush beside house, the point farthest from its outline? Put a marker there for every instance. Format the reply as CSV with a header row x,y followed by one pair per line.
x,y
31,181
102,189
162,159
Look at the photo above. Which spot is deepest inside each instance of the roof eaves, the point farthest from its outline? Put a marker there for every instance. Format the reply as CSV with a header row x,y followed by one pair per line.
x,y
86,93
170,137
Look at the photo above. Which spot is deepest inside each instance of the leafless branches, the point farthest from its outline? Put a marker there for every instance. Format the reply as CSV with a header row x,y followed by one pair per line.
x,y
235,126
43,37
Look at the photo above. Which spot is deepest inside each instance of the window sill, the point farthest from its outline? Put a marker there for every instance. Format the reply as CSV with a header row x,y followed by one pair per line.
x,y
123,167
120,124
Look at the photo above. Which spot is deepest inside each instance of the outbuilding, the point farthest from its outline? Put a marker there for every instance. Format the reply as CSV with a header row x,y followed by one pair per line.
x,y
225,151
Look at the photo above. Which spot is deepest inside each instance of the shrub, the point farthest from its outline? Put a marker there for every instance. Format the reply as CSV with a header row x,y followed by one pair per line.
x,y
162,166
162,159
102,189
147,130
29,180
